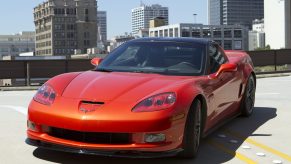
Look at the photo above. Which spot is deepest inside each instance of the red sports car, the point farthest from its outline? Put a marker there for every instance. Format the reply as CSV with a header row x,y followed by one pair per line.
x,y
150,97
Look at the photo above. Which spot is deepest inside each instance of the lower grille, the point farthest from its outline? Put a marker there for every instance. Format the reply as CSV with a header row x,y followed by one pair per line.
x,y
90,137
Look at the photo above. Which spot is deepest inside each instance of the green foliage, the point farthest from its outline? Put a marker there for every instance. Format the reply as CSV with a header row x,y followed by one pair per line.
x,y
267,47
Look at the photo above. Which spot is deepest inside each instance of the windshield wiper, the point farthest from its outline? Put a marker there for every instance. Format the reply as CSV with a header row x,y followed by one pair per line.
x,y
148,71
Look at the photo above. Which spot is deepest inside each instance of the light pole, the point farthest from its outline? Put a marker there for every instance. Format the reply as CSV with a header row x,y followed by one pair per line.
x,y
195,15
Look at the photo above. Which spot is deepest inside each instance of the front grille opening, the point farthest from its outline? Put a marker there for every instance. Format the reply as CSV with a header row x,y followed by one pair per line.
x,y
90,137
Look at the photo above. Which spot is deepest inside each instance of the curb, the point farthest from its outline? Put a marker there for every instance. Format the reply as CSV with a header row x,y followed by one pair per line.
x,y
28,88
273,75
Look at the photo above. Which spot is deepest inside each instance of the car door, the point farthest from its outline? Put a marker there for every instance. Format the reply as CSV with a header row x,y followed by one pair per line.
x,y
225,87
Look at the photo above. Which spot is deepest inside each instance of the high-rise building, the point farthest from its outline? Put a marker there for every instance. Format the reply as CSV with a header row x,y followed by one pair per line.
x,y
142,15
102,24
64,26
275,23
230,12
15,44
215,12
288,23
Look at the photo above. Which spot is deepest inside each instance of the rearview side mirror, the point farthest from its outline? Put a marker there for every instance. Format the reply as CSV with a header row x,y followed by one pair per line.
x,y
228,67
96,61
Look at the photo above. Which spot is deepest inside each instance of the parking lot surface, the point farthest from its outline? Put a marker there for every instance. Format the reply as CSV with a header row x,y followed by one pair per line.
x,y
265,137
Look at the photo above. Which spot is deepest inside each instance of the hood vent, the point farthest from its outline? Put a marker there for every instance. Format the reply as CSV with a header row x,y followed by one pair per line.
x,y
91,102
89,106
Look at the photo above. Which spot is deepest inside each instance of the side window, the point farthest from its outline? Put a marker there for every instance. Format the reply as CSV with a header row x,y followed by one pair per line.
x,y
216,58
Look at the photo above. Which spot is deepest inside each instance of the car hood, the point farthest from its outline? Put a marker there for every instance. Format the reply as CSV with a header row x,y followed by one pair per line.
x,y
101,86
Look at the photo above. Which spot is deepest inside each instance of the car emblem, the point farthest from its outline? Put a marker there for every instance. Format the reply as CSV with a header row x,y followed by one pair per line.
x,y
86,110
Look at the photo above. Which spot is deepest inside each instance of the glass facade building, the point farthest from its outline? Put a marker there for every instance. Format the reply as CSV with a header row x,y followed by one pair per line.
x,y
102,24
230,12
142,15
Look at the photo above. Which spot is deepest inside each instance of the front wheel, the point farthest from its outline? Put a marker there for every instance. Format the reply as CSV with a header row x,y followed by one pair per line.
x,y
192,131
248,101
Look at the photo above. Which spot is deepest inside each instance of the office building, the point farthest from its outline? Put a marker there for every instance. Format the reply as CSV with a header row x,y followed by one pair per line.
x,y
231,12
142,15
65,26
118,40
13,45
102,25
230,37
288,23
277,23
257,35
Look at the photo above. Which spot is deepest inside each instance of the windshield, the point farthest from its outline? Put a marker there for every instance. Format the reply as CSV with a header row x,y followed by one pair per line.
x,y
168,58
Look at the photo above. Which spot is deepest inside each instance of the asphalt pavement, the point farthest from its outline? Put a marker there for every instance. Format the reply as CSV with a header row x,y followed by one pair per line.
x,y
265,137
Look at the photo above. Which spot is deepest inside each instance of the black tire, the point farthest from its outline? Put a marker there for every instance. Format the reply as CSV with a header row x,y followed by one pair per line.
x,y
248,101
192,133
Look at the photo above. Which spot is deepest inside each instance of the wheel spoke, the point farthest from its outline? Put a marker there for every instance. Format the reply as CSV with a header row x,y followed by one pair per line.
x,y
197,126
250,95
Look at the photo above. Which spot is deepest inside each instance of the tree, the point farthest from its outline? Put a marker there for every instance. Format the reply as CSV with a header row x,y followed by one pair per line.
x,y
267,47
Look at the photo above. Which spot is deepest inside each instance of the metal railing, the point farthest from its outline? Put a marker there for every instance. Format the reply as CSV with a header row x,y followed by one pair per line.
x,y
33,69
272,58
37,69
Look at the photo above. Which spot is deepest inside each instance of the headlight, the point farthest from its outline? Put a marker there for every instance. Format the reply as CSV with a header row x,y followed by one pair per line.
x,y
45,95
156,103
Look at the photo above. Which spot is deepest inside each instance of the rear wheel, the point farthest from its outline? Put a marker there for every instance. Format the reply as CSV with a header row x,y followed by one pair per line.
x,y
248,101
192,131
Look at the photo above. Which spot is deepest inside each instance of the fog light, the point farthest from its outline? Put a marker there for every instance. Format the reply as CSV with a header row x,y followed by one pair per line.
x,y
33,127
150,138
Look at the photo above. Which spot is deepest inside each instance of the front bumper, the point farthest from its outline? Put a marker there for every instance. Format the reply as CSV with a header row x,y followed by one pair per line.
x,y
109,153
137,125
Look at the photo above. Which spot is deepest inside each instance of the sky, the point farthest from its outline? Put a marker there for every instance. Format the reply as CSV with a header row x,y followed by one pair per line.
x,y
17,15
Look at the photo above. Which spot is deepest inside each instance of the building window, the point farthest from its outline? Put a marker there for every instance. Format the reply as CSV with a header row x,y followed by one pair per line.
x,y
206,33
217,33
166,33
86,34
238,45
171,32
176,32
196,33
86,42
237,33
228,45
156,33
227,34
161,33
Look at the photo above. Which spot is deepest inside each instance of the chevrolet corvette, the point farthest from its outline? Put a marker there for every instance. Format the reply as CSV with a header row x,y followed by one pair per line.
x,y
150,97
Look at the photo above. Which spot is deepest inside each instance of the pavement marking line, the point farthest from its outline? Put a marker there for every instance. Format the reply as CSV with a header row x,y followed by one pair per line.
x,y
260,145
231,152
19,109
267,93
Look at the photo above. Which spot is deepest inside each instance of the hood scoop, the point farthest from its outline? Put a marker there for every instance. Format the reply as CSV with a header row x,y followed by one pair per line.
x,y
89,106
93,102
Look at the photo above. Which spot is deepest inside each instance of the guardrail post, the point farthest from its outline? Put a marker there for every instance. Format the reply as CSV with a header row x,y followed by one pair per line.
x,y
67,65
27,73
275,59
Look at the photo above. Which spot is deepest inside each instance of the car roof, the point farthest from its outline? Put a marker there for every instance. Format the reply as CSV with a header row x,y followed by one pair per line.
x,y
165,39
